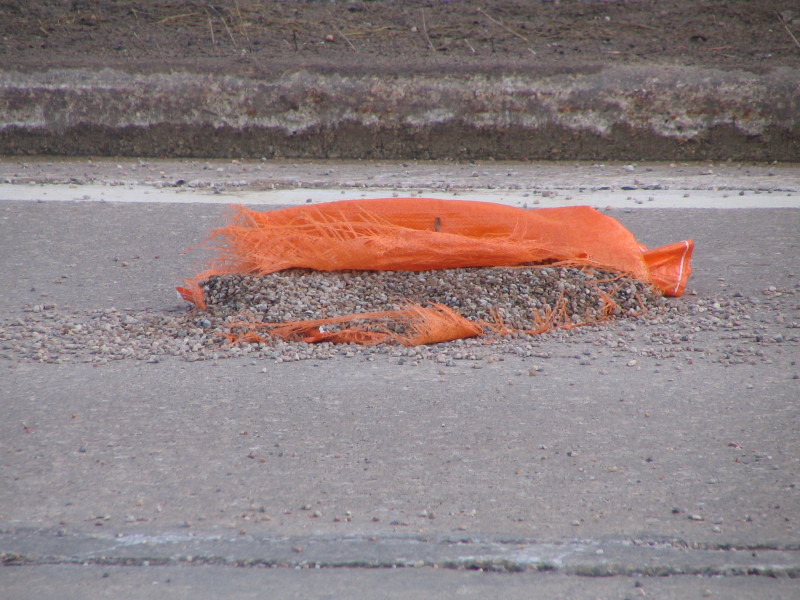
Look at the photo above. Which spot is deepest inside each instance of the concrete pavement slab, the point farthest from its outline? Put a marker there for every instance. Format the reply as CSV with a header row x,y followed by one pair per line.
x,y
363,446
66,582
591,438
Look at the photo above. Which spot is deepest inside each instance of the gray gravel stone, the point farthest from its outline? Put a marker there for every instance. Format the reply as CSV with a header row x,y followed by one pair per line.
x,y
648,325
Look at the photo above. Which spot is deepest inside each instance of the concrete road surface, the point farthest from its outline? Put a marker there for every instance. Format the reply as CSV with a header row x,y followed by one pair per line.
x,y
604,465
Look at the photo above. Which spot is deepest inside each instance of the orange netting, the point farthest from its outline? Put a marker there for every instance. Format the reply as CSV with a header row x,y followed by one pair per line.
x,y
424,325
420,234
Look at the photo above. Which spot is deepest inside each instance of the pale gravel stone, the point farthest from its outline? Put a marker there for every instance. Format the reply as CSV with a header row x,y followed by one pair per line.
x,y
515,292
744,328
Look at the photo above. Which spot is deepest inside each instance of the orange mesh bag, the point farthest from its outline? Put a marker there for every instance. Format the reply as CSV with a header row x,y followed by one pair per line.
x,y
419,234
425,325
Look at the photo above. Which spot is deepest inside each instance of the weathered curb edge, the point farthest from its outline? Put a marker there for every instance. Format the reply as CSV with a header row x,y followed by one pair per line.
x,y
653,112
596,558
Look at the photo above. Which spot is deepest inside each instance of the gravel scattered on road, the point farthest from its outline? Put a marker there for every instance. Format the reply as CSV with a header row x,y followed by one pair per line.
x,y
742,329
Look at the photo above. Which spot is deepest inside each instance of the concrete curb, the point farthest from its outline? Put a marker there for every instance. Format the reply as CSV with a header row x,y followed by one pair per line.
x,y
644,112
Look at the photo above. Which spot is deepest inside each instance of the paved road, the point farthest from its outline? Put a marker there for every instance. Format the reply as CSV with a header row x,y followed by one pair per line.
x,y
177,475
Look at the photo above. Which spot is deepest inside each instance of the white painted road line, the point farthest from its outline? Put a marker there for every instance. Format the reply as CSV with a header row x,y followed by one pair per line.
x,y
640,198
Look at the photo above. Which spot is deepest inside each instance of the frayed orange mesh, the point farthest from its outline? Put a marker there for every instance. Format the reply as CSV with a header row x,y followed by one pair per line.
x,y
420,234
424,324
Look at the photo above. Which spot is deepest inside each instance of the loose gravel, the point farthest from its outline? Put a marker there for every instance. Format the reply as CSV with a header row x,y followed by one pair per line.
x,y
515,293
644,324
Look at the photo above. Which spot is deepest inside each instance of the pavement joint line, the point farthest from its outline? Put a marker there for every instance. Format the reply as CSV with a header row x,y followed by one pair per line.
x,y
589,558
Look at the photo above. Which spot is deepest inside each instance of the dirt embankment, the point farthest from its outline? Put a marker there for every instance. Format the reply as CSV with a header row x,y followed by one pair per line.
x,y
456,79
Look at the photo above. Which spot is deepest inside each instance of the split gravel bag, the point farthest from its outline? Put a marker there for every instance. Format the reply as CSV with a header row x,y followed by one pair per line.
x,y
424,234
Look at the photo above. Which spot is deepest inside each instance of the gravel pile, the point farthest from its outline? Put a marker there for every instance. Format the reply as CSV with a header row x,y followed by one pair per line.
x,y
516,293
47,333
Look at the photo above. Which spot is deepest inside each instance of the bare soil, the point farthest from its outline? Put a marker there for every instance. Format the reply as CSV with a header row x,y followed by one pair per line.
x,y
245,36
